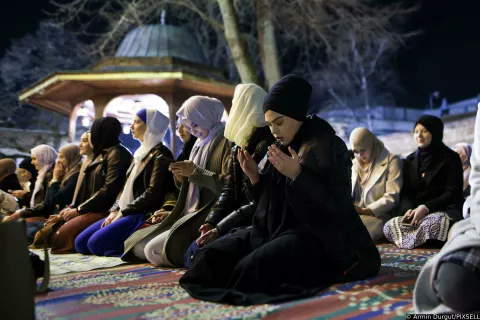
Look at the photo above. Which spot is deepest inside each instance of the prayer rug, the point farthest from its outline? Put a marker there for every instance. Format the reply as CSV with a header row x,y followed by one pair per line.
x,y
75,262
144,292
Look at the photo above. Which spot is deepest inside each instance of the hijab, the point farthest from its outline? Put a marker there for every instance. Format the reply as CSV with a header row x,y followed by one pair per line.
x,y
7,167
157,126
187,148
207,113
429,154
46,157
26,164
104,134
246,113
71,152
362,138
465,150
85,163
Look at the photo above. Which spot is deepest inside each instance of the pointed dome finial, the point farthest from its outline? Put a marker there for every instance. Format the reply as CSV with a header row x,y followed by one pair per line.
x,y
162,19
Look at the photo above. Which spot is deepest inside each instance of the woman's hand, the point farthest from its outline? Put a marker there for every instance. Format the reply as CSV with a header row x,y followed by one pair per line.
x,y
204,228
248,165
19,194
182,168
364,211
58,171
69,214
159,216
13,216
415,216
208,237
111,217
289,166
54,218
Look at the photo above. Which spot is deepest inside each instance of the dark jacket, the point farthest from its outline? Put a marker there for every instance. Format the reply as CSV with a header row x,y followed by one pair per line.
x,y
321,201
233,194
10,182
440,190
40,195
104,179
154,186
57,197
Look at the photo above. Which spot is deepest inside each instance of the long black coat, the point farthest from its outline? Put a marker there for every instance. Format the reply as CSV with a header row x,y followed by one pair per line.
x,y
441,189
154,185
233,194
104,179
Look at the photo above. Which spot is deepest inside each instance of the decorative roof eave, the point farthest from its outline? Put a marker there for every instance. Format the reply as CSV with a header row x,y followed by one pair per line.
x,y
40,86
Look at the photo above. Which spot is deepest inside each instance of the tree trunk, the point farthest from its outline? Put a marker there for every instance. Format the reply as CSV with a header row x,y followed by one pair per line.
x,y
267,44
241,57
367,103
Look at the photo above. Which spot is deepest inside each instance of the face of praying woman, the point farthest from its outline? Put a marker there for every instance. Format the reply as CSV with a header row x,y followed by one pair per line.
x,y
85,147
138,128
282,127
363,155
195,130
183,133
422,136
35,163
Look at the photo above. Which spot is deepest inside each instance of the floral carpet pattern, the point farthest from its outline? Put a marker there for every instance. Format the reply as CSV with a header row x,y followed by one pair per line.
x,y
144,292
67,263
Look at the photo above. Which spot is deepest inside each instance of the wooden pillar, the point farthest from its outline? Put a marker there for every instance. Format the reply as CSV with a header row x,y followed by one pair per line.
x,y
99,103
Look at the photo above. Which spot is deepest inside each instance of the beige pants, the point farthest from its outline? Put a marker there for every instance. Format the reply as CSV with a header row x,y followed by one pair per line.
x,y
374,227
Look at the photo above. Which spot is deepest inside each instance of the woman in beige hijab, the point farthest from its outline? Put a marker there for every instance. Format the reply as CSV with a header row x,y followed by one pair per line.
x,y
376,180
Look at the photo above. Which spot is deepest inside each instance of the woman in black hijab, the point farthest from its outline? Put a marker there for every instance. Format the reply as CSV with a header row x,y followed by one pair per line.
x,y
305,233
432,192
104,179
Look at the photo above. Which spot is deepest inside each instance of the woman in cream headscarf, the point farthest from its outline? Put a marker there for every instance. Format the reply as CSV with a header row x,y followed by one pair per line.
x,y
149,185
201,180
43,158
376,180
246,129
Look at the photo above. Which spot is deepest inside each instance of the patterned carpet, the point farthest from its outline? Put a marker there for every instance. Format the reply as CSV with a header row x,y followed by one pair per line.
x,y
66,263
144,292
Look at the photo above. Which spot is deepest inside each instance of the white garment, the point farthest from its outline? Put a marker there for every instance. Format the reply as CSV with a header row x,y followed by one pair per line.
x,y
154,250
157,125
46,157
246,113
464,234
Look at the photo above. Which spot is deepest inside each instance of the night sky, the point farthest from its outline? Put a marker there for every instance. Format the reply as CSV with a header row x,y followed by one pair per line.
x,y
445,57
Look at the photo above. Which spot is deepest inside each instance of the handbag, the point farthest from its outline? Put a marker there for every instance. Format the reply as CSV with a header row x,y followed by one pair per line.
x,y
18,271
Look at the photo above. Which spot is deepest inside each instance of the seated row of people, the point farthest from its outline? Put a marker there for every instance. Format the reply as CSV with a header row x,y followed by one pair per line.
x,y
295,207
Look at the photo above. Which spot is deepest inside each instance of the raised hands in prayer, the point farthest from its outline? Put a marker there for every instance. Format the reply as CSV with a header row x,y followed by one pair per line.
x,y
287,165
248,165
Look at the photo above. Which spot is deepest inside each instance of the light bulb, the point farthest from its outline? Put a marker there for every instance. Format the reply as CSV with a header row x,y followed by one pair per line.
x,y
126,129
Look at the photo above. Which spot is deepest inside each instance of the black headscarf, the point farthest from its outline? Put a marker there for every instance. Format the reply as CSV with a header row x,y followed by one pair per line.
x,y
428,155
290,97
187,148
27,165
104,134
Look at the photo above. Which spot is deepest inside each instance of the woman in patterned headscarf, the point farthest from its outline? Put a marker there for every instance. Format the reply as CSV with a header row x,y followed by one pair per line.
x,y
201,181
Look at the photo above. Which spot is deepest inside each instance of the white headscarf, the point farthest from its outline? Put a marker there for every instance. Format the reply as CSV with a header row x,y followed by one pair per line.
x,y
46,157
246,113
157,125
207,113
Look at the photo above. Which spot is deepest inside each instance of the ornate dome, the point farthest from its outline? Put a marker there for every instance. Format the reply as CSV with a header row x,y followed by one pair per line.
x,y
158,40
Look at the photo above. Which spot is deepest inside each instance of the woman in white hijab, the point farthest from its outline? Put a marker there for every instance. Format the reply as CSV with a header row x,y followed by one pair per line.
x,y
450,281
149,184
202,180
